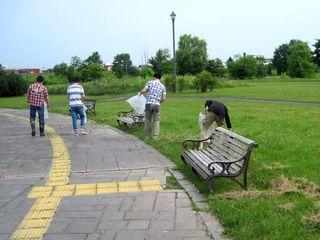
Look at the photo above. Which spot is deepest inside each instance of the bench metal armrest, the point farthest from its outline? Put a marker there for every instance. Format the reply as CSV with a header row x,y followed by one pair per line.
x,y
193,142
224,164
138,118
124,114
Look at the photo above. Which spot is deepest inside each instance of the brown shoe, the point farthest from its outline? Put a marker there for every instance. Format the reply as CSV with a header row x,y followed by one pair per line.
x,y
33,133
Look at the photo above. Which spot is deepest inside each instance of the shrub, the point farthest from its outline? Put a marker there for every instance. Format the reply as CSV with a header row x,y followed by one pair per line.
x,y
146,72
204,81
181,83
57,89
168,82
12,85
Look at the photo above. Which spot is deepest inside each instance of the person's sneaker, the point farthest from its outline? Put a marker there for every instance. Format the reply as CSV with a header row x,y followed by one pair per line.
x,y
83,131
76,133
42,134
33,133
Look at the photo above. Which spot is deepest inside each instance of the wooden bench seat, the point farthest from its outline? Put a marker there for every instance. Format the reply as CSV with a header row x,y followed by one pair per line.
x,y
130,118
227,155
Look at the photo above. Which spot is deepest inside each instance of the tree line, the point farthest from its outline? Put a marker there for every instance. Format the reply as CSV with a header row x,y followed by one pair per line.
x,y
294,58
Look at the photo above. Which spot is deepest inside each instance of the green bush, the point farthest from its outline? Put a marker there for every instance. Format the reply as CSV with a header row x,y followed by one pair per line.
x,y
12,85
204,81
168,82
57,89
243,67
49,79
181,84
146,72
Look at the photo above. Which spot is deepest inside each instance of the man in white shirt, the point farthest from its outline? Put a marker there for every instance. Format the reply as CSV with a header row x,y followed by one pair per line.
x,y
156,94
76,97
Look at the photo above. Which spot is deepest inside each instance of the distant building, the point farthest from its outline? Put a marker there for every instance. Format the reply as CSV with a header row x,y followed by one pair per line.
x,y
23,70
143,66
108,67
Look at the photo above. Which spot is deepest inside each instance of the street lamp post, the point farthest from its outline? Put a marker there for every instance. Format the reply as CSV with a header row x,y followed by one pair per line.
x,y
173,16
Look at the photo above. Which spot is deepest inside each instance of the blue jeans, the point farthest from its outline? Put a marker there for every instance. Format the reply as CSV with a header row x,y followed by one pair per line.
x,y
33,110
75,111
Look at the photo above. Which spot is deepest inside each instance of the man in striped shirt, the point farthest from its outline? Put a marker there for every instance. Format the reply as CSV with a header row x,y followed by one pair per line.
x,y
37,96
76,97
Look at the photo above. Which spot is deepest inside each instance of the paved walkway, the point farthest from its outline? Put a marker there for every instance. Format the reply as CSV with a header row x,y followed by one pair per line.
x,y
106,185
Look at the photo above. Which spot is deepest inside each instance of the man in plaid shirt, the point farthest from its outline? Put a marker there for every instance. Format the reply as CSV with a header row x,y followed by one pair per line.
x,y
37,95
156,95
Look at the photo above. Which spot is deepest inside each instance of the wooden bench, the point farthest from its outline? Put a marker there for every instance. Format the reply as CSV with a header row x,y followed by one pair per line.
x,y
130,118
227,155
91,105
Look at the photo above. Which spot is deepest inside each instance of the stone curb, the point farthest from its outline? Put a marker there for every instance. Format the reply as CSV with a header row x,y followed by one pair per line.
x,y
214,228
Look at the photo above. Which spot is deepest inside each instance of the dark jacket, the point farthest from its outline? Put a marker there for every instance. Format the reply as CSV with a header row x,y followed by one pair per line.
x,y
219,109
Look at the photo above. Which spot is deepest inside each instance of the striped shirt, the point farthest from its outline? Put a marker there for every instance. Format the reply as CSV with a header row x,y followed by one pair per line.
x,y
155,91
75,92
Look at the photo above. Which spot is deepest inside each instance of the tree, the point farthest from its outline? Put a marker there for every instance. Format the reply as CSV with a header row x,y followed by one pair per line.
x,y
300,60
93,58
133,71
262,67
121,64
280,56
191,54
160,63
243,67
76,64
91,72
316,52
63,70
216,68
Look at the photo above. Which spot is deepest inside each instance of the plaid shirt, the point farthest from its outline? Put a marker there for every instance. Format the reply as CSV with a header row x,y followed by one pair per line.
x,y
37,93
155,91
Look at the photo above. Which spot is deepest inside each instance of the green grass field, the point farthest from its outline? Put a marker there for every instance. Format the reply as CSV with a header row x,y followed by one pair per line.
x,y
283,200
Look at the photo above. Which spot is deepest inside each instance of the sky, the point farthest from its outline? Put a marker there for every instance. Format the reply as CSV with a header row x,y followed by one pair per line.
x,y
37,33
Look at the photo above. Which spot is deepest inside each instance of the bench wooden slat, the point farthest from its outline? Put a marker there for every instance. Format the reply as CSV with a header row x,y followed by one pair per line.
x,y
193,161
235,136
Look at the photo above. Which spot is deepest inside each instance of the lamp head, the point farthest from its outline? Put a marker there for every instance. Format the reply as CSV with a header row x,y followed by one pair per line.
x,y
173,16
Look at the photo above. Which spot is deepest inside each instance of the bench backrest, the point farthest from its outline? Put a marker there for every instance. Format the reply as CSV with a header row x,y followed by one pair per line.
x,y
229,146
89,103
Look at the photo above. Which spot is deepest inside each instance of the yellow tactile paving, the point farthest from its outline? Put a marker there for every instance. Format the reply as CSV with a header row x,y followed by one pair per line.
x,y
129,189
86,186
37,220
107,185
107,190
91,191
128,184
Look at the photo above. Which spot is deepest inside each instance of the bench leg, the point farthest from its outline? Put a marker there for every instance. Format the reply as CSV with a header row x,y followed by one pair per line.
x,y
182,158
210,181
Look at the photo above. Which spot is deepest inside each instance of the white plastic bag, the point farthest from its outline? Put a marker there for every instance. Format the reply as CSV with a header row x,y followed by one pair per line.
x,y
46,115
211,128
138,103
